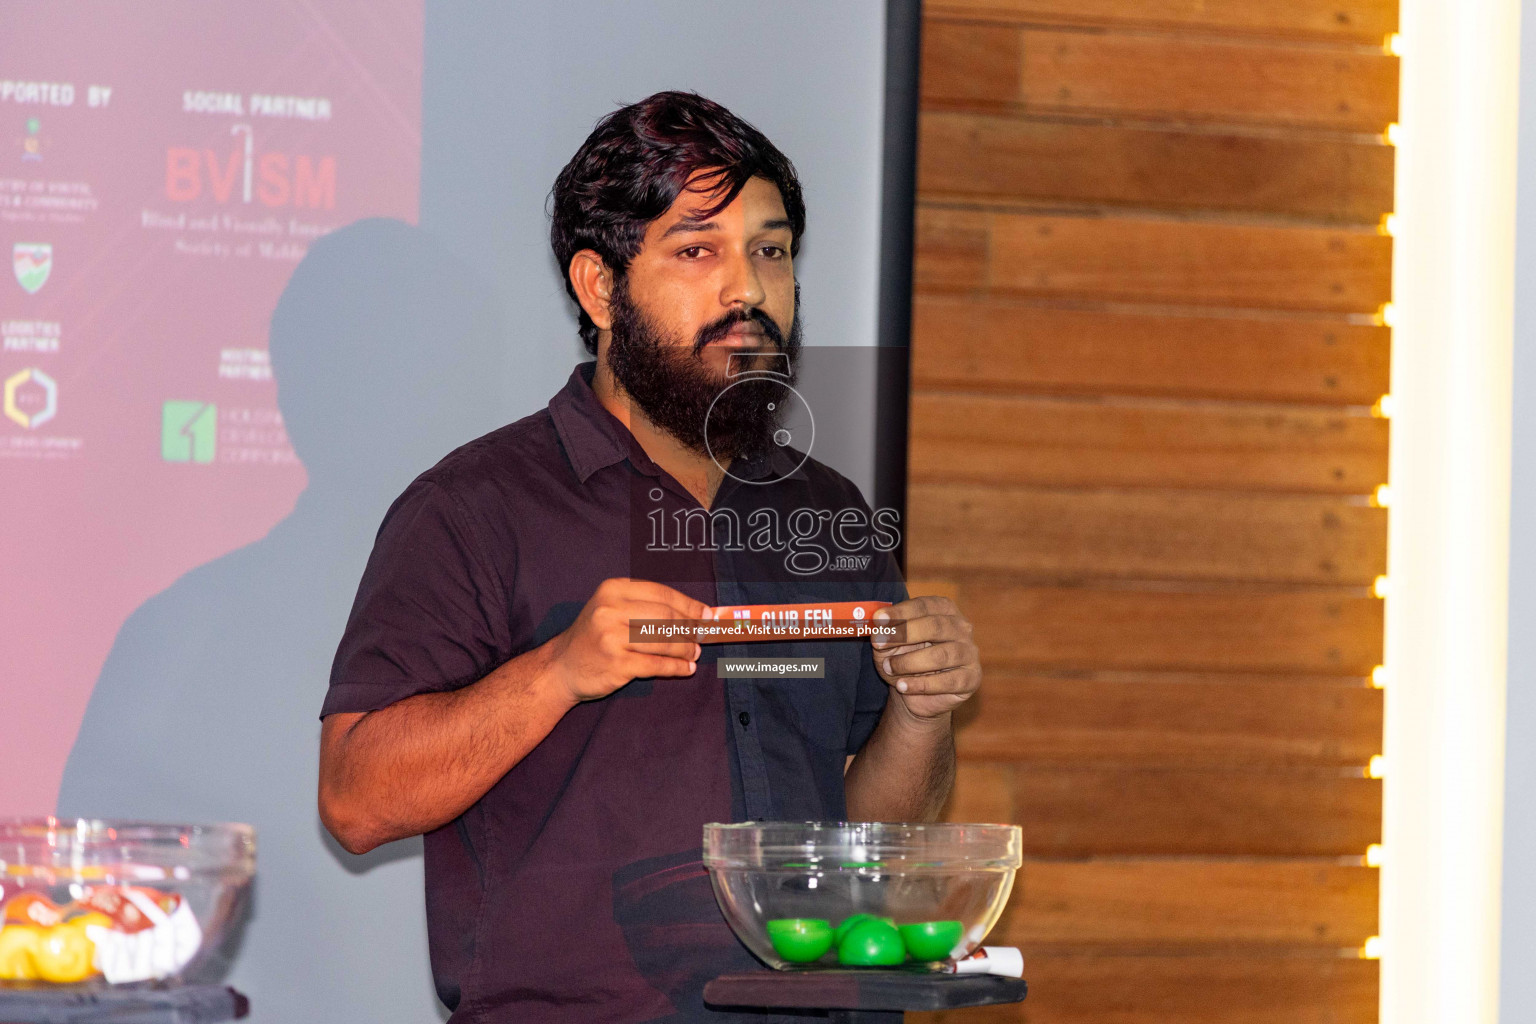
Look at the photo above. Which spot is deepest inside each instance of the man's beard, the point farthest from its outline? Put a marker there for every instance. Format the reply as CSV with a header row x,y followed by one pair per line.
x,y
679,393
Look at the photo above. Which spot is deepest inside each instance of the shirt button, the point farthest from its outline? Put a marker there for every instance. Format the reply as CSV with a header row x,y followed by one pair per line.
x,y
745,719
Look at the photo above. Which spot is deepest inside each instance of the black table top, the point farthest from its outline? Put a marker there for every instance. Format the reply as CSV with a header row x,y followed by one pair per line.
x,y
861,990
183,1004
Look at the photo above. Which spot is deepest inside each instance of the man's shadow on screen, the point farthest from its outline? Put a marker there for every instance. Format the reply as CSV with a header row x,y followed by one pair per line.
x,y
387,356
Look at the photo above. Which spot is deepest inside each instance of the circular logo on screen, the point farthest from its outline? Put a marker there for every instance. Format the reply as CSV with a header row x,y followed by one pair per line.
x,y
799,425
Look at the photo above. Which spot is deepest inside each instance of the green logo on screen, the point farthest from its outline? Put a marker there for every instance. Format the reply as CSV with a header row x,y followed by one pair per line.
x,y
188,431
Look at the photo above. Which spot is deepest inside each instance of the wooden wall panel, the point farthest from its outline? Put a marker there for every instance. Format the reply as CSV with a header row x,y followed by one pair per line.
x,y
1169,902
1172,721
1149,260
1098,534
1146,348
1157,77
1000,158
1082,812
1109,989
1001,439
1367,21
1000,344
983,792
1303,631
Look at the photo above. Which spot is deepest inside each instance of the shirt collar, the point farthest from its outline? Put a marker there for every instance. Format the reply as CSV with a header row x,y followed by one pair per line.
x,y
594,438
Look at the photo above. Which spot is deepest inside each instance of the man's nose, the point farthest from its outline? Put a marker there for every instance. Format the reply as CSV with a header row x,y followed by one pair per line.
x,y
741,286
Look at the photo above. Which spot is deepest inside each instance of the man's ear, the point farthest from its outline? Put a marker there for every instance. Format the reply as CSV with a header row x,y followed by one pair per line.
x,y
593,283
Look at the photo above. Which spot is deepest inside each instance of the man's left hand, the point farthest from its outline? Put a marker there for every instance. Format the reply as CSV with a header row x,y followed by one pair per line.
x,y
936,667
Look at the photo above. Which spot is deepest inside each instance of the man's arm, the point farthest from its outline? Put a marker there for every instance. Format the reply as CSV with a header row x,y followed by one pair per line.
x,y
421,762
905,770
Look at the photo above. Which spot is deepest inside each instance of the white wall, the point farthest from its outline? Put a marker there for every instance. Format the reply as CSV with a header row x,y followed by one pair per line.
x,y
527,83
1517,985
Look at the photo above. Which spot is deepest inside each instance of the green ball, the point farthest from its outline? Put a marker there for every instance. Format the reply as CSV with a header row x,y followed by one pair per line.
x,y
853,919
871,943
931,940
800,939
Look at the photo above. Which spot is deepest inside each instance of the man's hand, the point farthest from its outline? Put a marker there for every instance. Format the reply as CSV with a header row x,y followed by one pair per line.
x,y
906,769
595,656
421,762
936,668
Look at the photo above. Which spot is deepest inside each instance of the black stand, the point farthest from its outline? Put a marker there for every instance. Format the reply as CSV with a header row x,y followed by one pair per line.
x,y
188,1004
860,997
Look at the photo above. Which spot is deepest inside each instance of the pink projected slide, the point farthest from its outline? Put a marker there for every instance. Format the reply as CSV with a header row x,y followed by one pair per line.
x,y
163,167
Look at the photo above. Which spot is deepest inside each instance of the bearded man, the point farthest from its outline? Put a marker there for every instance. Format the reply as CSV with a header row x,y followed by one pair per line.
x,y
487,692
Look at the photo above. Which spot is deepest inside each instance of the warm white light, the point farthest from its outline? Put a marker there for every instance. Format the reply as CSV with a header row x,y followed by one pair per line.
x,y
1373,855
1387,315
1379,677
1377,769
1383,408
1388,225
1380,587
1394,44
1448,548
1372,948
1393,134
1382,498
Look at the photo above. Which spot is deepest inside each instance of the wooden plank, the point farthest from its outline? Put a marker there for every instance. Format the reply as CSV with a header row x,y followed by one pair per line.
x,y
994,439
1148,260
952,250
1175,902
1171,722
1305,631
1217,80
1001,344
972,64
1157,77
1108,989
1118,534
983,792
1367,21
1080,812
924,585
1002,158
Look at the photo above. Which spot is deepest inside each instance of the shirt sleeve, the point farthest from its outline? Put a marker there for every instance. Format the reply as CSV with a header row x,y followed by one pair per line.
x,y
430,615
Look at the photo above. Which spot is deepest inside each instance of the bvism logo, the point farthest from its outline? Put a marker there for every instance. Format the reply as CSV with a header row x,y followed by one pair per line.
x,y
188,431
32,262
243,174
31,398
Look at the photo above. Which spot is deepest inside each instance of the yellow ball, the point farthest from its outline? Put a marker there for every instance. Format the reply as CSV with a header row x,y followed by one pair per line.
x,y
64,955
18,943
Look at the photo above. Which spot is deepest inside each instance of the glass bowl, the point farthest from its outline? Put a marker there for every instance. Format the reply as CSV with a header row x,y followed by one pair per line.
x,y
821,895
98,903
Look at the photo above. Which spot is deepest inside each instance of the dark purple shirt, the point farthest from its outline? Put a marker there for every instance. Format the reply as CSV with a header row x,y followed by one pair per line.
x,y
573,889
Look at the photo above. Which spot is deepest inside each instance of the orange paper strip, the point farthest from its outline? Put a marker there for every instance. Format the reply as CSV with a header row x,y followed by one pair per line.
x,y
804,613
831,619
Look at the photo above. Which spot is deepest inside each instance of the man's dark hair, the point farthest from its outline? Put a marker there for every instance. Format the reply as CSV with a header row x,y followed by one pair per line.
x,y
635,164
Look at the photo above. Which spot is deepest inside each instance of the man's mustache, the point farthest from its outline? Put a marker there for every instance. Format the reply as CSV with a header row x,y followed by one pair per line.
x,y
720,328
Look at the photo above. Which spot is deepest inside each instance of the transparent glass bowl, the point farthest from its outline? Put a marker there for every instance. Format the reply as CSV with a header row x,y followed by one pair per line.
x,y
94,903
783,886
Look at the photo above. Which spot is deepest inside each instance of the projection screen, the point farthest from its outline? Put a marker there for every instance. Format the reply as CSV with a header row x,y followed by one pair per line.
x,y
192,471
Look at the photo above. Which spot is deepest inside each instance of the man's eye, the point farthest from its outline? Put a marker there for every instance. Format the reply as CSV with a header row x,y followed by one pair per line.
x,y
773,252
693,252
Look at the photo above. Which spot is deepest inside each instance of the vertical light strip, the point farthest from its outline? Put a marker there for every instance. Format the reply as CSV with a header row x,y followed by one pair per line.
x,y
1447,612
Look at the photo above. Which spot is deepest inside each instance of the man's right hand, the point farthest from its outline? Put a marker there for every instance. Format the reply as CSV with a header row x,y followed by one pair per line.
x,y
420,762
595,656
